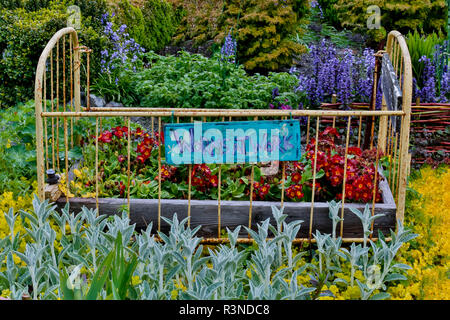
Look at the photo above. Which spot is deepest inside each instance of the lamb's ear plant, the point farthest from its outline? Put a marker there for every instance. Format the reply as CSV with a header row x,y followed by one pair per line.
x,y
333,213
366,220
354,256
177,266
279,219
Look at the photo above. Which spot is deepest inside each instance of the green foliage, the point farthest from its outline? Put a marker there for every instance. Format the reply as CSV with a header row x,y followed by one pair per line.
x,y
421,45
23,36
17,148
193,81
403,16
61,262
198,19
329,11
152,25
114,273
263,30
31,5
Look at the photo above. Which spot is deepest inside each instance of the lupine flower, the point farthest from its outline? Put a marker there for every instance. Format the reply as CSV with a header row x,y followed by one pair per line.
x,y
348,75
228,50
124,48
428,91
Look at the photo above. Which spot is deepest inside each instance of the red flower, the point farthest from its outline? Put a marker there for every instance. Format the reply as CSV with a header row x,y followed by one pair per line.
x,y
354,150
141,159
298,166
118,132
358,185
295,191
121,188
349,192
106,137
138,132
296,177
265,189
121,158
366,196
214,181
330,131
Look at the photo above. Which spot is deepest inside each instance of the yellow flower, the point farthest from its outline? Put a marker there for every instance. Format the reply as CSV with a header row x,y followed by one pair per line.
x,y
429,214
174,294
135,280
5,293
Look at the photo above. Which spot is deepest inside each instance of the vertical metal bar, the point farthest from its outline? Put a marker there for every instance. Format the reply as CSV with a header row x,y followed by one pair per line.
x,y
390,148
359,131
129,165
71,88
311,215
374,193
389,136
66,133
189,193
45,119
400,160
153,127
57,104
251,198
345,175
40,166
66,156
76,75
88,93
394,160
53,108
307,131
283,182
96,166
64,71
219,183
159,174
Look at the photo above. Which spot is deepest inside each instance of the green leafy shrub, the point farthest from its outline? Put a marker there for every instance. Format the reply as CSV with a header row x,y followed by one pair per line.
x,y
198,20
421,45
403,16
17,148
18,145
194,81
31,5
329,11
23,36
263,30
151,25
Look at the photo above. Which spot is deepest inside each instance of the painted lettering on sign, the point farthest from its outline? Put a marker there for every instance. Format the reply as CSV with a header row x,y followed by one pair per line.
x,y
232,142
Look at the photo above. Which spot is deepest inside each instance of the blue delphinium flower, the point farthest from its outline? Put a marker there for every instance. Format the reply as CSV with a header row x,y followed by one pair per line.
x,y
348,75
428,91
445,85
344,79
228,50
124,48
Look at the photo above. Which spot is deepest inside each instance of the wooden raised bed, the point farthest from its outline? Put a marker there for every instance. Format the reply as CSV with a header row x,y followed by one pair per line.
x,y
234,213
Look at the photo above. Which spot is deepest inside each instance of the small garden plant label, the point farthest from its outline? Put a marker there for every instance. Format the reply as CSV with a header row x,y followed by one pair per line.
x,y
232,142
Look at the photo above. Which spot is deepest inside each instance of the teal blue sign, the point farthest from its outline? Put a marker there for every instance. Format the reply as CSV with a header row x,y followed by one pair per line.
x,y
232,142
